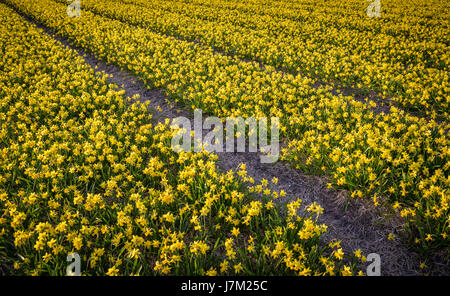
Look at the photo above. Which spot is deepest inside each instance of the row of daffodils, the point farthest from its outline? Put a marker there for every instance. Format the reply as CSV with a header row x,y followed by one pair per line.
x,y
402,56
83,170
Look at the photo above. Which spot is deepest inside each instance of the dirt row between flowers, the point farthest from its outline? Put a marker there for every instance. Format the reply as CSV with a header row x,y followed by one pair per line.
x,y
357,223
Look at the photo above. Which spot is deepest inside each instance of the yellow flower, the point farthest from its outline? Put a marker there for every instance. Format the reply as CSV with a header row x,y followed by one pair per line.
x,y
224,266
78,242
134,254
339,254
346,271
211,272
112,271
238,268
199,247
169,217
235,231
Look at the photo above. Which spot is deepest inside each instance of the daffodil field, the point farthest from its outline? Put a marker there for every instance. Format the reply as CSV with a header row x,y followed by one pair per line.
x,y
86,169
83,172
402,57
